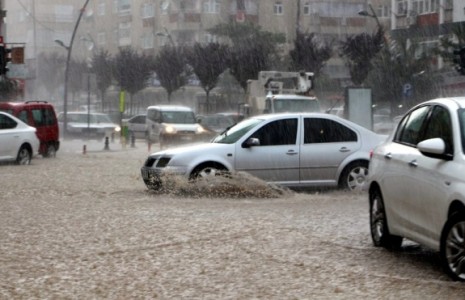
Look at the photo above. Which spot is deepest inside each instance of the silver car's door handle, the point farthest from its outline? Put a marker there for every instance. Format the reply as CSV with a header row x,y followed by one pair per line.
x,y
413,163
388,155
344,149
291,152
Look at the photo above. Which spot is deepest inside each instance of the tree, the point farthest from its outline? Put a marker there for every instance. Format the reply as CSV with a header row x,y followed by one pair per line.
x,y
402,66
102,67
309,53
171,69
51,70
77,71
253,50
208,63
451,43
132,71
359,50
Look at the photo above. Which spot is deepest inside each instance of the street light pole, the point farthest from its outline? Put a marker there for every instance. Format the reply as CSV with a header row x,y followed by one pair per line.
x,y
374,16
68,58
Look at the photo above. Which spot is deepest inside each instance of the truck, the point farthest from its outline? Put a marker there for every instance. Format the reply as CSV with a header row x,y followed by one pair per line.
x,y
275,92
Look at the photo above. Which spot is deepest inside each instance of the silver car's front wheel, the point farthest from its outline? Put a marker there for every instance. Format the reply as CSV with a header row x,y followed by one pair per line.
x,y
453,247
209,170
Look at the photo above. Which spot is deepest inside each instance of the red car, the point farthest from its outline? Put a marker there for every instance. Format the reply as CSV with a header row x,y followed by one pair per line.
x,y
42,116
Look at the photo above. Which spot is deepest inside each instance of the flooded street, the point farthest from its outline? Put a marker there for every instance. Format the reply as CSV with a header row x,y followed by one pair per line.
x,y
84,226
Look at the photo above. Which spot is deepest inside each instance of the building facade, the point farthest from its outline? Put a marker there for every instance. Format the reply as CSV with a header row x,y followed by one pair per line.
x,y
146,25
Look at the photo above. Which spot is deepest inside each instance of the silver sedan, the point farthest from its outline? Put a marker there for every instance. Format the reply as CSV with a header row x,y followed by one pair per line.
x,y
291,149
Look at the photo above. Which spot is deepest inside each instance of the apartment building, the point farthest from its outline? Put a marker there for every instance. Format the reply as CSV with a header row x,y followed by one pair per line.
x,y
146,25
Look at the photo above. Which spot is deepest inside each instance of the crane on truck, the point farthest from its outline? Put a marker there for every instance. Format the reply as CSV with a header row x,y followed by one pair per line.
x,y
276,91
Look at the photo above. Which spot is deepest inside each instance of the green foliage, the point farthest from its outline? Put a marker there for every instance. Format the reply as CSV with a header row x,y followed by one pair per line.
x,y
359,50
132,70
8,89
253,50
309,53
52,72
171,69
455,41
208,63
397,67
102,67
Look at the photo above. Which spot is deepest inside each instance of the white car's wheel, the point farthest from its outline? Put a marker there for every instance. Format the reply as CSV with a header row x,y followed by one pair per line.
x,y
453,246
378,223
24,156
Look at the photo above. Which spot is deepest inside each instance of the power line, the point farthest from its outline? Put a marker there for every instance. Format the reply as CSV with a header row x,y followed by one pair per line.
x,y
33,16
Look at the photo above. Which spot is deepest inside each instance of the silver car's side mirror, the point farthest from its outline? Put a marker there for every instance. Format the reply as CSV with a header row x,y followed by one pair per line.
x,y
251,142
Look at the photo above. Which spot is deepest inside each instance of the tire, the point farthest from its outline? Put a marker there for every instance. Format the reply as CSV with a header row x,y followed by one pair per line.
x,y
50,151
208,170
378,223
354,176
24,156
452,249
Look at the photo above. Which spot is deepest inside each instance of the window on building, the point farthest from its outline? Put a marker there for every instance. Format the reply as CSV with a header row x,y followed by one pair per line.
x,y
101,8
147,41
307,9
383,11
123,6
124,33
401,7
210,38
64,13
278,8
101,38
164,7
428,6
147,10
211,6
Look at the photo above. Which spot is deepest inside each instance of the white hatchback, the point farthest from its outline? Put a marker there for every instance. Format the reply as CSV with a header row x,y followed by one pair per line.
x,y
18,141
289,149
416,183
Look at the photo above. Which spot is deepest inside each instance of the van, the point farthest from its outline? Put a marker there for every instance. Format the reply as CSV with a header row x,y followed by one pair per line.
x,y
42,116
173,125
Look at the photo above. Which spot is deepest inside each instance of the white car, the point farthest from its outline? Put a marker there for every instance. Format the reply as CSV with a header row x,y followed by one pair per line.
x,y
89,125
290,149
18,141
417,184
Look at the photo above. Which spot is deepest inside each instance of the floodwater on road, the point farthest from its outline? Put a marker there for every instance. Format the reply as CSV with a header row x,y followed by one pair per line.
x,y
84,226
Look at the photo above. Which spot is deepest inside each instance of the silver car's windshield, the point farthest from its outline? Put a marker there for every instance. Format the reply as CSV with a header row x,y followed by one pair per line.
x,y
234,133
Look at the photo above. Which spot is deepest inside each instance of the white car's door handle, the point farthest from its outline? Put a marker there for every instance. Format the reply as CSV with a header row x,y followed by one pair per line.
x,y
413,163
388,155
344,149
291,152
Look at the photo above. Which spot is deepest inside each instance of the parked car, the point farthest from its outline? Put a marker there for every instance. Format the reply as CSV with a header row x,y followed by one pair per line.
x,y
137,126
416,183
42,116
18,141
88,125
291,149
173,125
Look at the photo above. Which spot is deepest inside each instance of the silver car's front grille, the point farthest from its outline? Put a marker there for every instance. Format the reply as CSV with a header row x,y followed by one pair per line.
x,y
157,161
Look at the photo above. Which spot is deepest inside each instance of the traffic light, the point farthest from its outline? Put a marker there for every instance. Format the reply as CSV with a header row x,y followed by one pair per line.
x,y
4,59
460,60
